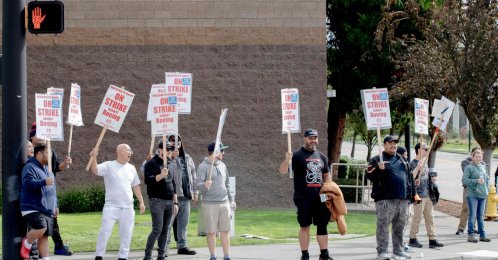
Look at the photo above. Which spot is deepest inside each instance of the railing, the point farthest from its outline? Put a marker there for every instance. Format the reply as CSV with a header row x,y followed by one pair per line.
x,y
364,188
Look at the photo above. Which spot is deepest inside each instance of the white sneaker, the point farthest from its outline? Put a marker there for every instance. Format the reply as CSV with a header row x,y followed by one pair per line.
x,y
382,256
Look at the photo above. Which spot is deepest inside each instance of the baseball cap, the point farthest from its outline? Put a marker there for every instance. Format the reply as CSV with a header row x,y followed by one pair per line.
x,y
391,138
424,146
212,144
310,132
169,146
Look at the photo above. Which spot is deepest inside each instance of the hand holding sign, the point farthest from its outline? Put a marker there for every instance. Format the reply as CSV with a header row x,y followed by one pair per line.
x,y
112,113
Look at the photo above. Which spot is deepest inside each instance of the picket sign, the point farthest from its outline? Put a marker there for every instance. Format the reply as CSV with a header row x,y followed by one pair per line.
x,y
375,103
291,119
217,150
74,117
112,112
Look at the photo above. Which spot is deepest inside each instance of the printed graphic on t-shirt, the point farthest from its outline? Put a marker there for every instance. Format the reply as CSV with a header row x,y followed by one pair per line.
x,y
314,172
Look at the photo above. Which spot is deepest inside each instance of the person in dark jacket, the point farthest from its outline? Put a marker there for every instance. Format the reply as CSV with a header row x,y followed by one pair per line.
x,y
38,202
163,201
392,190
58,165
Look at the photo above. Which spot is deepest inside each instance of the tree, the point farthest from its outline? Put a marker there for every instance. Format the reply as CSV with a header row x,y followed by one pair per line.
x,y
457,57
354,62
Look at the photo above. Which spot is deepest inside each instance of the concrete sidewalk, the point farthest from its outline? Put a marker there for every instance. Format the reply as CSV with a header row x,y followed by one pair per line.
x,y
455,247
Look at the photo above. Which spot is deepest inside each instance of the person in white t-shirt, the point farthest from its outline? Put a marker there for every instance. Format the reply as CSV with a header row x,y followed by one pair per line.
x,y
120,180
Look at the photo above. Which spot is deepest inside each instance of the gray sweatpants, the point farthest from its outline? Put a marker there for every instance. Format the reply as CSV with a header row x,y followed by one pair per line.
x,y
390,212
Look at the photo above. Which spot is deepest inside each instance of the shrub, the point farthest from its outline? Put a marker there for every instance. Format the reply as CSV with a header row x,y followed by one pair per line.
x,y
349,193
87,199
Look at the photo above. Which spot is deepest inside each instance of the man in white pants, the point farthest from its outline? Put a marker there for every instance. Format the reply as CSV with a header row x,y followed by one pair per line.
x,y
120,179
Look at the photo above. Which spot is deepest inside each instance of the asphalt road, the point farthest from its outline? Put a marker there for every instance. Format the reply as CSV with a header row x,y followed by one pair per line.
x,y
447,165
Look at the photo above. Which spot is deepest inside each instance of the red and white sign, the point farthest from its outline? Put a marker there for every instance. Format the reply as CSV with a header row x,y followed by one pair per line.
x,y
376,108
114,108
421,116
290,111
59,92
48,117
155,89
74,114
180,84
164,114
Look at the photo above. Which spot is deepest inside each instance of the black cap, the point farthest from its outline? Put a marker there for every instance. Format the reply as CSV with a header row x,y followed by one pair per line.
x,y
168,145
212,144
310,132
391,138
401,150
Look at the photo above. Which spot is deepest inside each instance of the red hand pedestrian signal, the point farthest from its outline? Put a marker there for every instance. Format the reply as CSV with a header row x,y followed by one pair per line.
x,y
45,17
37,18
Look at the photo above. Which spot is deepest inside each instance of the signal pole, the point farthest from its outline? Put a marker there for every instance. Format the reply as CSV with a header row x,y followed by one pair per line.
x,y
13,125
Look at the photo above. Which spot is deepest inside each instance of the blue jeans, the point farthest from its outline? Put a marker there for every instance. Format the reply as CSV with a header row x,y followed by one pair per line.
x,y
476,206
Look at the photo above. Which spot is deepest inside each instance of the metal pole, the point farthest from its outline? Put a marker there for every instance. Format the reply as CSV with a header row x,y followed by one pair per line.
x,y
14,125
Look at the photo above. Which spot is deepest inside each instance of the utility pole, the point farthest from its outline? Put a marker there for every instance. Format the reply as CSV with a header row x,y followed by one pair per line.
x,y
14,125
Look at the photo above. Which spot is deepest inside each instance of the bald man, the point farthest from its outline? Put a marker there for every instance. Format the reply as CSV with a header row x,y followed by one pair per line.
x,y
120,179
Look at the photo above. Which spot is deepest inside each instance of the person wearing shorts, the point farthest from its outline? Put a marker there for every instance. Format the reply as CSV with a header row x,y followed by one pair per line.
x,y
38,202
311,170
217,201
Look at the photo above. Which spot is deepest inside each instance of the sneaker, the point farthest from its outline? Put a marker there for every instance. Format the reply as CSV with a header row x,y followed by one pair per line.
x,y
327,257
459,231
212,258
402,255
408,249
24,249
434,244
484,239
305,256
226,258
186,251
414,243
161,258
472,239
64,250
382,256
98,258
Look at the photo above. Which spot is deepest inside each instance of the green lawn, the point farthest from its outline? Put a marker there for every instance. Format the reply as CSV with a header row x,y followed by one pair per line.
x,y
80,230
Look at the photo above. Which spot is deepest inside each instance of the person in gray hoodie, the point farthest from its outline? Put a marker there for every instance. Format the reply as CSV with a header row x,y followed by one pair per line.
x,y
213,184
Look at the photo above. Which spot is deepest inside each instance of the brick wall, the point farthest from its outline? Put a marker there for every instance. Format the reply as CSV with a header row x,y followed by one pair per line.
x,y
241,53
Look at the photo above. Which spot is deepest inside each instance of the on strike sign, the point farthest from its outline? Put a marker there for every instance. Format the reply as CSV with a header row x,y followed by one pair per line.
x,y
421,116
114,108
164,114
376,108
290,111
180,84
48,116
74,115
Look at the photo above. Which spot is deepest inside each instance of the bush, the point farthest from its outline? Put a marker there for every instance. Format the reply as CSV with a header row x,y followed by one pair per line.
x,y
88,199
1,197
350,172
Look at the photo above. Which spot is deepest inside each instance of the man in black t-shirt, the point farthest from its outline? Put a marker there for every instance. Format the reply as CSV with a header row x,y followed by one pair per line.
x,y
311,169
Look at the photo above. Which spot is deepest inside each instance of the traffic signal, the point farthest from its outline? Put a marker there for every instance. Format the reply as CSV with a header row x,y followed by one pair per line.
x,y
46,17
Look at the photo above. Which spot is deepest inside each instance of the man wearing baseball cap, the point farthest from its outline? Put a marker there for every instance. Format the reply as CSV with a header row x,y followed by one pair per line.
x,y
392,189
213,184
311,169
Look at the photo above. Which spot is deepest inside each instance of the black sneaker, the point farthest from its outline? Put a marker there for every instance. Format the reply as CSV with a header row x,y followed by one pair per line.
x,y
186,251
98,258
64,250
305,256
414,243
459,231
434,244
